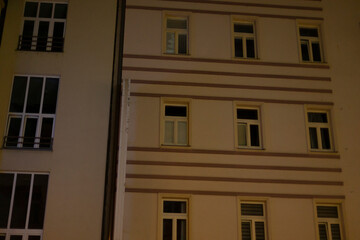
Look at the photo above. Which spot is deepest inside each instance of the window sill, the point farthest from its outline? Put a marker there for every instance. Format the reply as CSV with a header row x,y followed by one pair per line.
x,y
246,59
250,149
175,146
318,151
27,149
176,55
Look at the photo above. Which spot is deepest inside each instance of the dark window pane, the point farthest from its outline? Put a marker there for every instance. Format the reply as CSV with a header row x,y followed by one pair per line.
x,y
45,10
34,95
176,111
2,237
16,237
21,199
305,51
167,229
325,138
238,44
18,94
34,238
313,138
176,23
13,132
30,9
174,207
250,48
182,44
316,52
30,132
322,232
247,114
42,36
38,202
26,40
58,37
46,132
243,28
6,185
254,135
50,95
260,230
335,232
2,18
309,32
317,117
252,209
246,230
60,11
327,211
181,229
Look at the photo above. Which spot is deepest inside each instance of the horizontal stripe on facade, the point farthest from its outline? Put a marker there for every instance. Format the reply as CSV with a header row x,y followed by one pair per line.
x,y
235,194
234,74
297,102
232,166
247,4
228,179
222,12
232,86
247,153
239,61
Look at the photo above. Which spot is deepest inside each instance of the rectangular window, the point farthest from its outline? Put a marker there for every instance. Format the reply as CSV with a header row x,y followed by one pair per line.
x,y
310,44
174,219
176,35
319,130
3,6
248,127
253,221
244,43
176,124
329,222
22,205
44,27
32,111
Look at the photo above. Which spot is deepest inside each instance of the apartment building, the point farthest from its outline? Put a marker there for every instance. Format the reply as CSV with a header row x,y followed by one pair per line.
x,y
242,120
56,61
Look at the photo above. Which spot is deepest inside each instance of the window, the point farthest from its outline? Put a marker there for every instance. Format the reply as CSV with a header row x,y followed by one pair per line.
x,y
328,221
175,119
319,130
176,35
248,127
22,205
3,6
310,45
174,219
253,217
44,27
31,117
244,40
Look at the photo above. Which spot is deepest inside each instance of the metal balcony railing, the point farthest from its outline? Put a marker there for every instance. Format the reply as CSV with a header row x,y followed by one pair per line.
x,y
42,44
28,142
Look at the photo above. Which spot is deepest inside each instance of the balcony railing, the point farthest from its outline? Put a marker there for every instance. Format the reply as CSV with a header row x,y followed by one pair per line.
x,y
42,44
28,142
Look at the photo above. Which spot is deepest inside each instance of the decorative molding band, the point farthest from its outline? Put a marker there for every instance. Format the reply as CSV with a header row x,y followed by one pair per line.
x,y
298,102
228,179
261,5
240,61
221,12
234,74
246,153
235,194
232,86
232,166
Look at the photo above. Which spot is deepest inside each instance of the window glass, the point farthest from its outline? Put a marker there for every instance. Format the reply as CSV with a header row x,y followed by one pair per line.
x,y
6,186
42,36
26,40
317,117
247,113
325,138
34,238
238,47
181,229
58,37
30,132
176,111
250,48
37,209
254,135
327,211
170,42
176,23
46,132
242,134
174,207
335,232
18,94
260,230
252,209
16,237
50,95
21,199
243,28
309,32
313,138
305,51
30,9
182,133
246,230
323,232
182,44
60,11
167,229
2,236
45,10
316,52
169,132
13,131
34,95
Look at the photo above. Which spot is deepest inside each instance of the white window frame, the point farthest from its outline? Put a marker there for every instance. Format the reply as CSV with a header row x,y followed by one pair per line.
x,y
328,221
248,122
252,219
37,21
318,126
310,40
244,36
23,115
173,216
25,232
176,120
176,32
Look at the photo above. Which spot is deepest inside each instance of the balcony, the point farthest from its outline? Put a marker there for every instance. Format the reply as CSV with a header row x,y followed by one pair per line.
x,y
17,142
41,44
